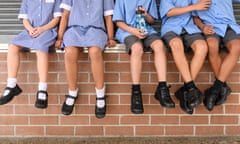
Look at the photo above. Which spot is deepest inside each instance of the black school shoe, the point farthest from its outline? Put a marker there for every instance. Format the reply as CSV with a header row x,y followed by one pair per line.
x,y
182,96
12,92
225,92
67,109
136,102
162,95
100,112
211,95
41,103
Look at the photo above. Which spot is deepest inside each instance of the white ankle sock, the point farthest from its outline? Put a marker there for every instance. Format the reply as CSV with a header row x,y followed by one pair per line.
x,y
100,94
73,93
42,86
11,82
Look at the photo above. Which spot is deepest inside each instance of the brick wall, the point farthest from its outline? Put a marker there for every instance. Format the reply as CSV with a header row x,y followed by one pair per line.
x,y
20,117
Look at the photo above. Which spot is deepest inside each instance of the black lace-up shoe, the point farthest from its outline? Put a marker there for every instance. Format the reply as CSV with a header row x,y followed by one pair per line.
x,y
211,95
12,92
194,97
136,102
225,92
162,94
182,96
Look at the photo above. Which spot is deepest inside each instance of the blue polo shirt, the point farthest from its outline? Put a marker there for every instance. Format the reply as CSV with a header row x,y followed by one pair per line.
x,y
176,23
125,10
220,15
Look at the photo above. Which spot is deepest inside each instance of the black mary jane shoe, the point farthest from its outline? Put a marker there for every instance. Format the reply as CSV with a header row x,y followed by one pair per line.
x,y
182,96
67,109
12,92
100,112
41,103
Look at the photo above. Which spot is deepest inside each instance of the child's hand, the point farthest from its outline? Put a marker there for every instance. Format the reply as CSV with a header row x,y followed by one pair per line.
x,y
111,43
58,43
37,32
138,33
202,5
143,9
208,30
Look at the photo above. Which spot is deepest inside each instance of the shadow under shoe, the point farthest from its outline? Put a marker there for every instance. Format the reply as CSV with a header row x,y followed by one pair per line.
x,y
211,95
162,95
12,92
225,92
182,96
100,112
136,102
67,109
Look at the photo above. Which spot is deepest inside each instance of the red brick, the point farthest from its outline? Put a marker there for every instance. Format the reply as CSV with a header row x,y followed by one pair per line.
x,y
7,130
209,130
30,130
195,120
89,131
119,130
74,120
107,120
134,120
233,130
149,130
60,131
13,120
165,120
224,119
179,130
43,120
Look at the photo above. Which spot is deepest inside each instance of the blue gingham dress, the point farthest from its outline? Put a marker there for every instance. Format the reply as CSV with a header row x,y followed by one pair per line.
x,y
86,26
39,13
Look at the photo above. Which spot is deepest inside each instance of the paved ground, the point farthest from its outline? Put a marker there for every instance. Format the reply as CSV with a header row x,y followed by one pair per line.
x,y
124,140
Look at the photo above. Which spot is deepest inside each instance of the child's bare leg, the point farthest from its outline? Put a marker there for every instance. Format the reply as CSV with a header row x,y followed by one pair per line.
x,y
97,66
180,59
71,66
230,60
13,60
160,59
200,51
136,62
213,55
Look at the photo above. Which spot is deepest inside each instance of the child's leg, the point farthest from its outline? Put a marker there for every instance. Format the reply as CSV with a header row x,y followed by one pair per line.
x,y
230,60
200,51
97,67
42,67
71,66
13,60
160,59
213,54
162,93
180,59
136,62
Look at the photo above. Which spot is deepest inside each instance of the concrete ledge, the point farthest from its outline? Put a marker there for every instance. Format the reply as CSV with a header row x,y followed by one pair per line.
x,y
123,140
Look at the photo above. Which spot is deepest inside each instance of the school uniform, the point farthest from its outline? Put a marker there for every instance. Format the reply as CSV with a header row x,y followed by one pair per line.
x,y
86,25
220,15
125,10
178,23
39,13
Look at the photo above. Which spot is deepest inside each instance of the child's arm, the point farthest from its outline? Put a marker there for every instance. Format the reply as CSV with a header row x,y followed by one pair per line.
x,y
132,30
201,5
149,18
27,25
206,29
62,27
110,31
50,25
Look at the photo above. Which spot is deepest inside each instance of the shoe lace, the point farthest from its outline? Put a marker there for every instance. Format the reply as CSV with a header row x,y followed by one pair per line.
x,y
137,97
165,91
